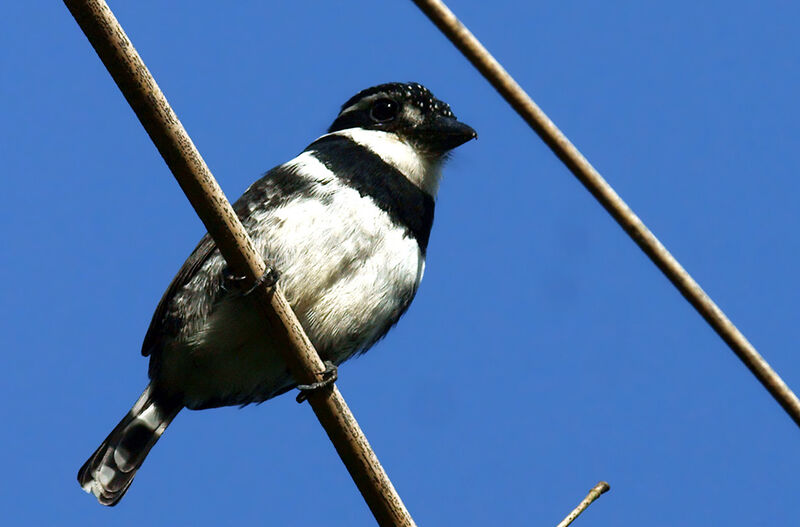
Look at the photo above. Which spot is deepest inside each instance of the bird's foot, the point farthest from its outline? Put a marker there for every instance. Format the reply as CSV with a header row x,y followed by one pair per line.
x,y
329,376
233,283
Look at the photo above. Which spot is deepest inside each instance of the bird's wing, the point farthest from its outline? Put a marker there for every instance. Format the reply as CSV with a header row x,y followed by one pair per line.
x,y
196,260
269,192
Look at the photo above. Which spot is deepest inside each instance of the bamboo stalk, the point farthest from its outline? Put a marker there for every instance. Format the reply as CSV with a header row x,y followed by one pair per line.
x,y
162,125
513,93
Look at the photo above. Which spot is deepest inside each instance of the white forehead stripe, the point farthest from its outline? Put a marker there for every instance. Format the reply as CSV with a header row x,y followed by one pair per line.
x,y
418,169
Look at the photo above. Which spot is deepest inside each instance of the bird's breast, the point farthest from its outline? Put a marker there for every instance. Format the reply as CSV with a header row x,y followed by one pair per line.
x,y
346,267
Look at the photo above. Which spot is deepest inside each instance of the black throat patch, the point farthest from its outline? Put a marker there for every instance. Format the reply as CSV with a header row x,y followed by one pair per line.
x,y
364,170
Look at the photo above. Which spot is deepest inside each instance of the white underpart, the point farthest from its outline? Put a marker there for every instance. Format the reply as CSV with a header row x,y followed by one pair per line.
x,y
345,268
424,172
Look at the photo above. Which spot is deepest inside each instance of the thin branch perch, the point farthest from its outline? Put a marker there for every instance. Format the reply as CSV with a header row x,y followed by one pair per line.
x,y
480,57
162,125
596,492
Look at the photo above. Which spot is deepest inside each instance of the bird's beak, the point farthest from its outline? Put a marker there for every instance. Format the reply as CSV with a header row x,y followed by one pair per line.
x,y
445,133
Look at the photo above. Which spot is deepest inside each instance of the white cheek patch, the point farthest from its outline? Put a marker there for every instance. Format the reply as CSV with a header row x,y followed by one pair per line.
x,y
421,171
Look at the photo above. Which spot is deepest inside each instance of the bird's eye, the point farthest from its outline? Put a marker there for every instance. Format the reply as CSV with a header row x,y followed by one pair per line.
x,y
383,110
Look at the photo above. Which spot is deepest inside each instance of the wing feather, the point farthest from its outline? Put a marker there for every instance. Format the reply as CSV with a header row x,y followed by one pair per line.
x,y
269,192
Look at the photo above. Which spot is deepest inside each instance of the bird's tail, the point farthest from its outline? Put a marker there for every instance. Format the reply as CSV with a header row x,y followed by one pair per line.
x,y
110,470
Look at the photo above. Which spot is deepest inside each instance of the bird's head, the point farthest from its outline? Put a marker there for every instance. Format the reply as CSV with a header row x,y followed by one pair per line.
x,y
408,110
406,126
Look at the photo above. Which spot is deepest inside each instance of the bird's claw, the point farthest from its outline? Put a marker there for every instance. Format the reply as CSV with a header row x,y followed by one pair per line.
x,y
329,376
233,283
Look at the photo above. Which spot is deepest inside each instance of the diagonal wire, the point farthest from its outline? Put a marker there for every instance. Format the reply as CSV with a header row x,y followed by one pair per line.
x,y
480,57
187,165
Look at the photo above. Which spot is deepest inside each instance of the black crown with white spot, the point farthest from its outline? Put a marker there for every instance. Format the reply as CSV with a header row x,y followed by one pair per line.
x,y
411,93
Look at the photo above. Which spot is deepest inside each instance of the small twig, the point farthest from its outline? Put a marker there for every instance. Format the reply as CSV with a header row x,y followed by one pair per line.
x,y
595,493
187,165
513,93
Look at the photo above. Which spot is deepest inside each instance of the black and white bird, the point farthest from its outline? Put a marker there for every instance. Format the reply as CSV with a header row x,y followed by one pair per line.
x,y
345,224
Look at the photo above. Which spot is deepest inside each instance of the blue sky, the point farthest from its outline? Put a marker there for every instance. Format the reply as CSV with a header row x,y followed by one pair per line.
x,y
543,353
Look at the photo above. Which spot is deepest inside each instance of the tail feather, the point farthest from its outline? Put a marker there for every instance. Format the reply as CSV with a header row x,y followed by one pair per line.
x,y
110,470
